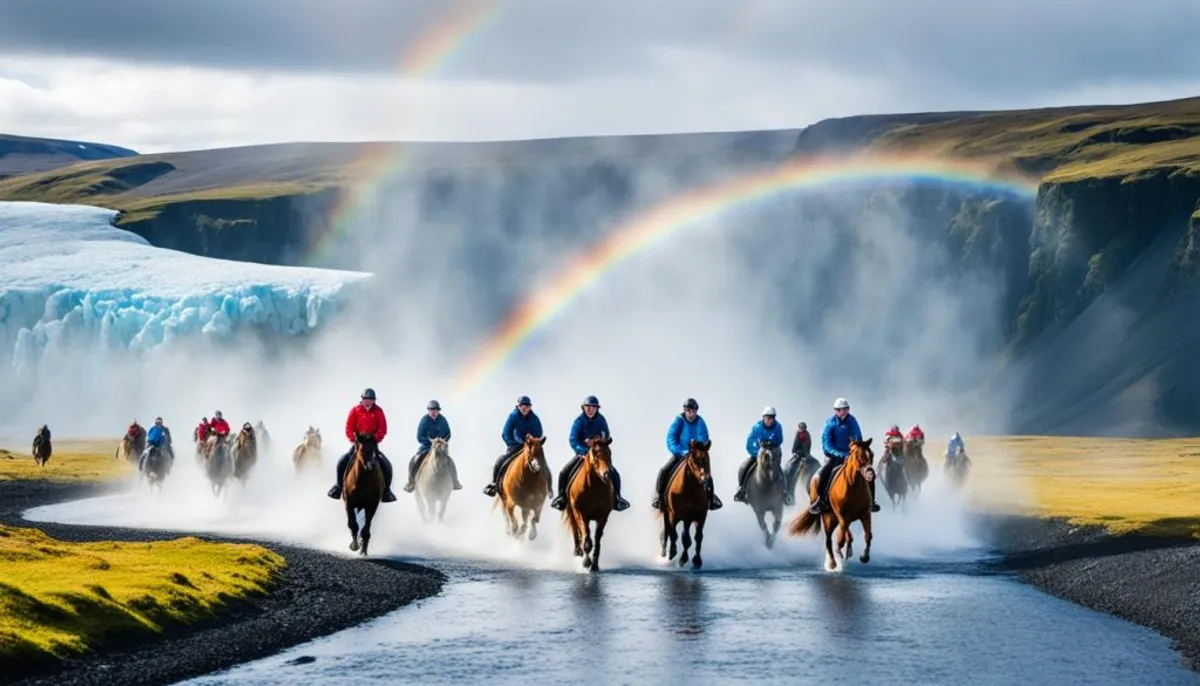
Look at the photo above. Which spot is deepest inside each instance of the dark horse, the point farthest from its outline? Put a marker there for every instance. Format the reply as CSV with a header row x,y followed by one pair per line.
x,y
363,489
686,502
156,466
41,446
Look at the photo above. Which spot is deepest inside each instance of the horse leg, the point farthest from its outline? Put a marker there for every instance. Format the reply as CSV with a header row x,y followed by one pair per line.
x,y
849,541
664,535
670,532
537,517
697,561
587,535
829,524
777,515
510,515
866,524
441,515
352,522
841,539
366,529
420,505
600,524
762,524
687,543
575,535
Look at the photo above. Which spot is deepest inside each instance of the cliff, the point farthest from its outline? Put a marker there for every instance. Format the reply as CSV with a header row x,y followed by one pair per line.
x,y
23,155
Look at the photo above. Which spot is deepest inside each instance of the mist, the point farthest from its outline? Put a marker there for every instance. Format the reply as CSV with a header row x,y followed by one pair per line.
x,y
790,302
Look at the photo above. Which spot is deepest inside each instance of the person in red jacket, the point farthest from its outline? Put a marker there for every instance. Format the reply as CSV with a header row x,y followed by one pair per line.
x,y
365,418
201,432
218,424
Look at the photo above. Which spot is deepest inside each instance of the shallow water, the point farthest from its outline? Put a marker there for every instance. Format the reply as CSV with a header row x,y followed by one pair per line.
x,y
924,610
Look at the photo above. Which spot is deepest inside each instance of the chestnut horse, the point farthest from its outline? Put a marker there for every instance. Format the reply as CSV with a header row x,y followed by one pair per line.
x,y
686,501
916,469
363,489
308,453
849,500
524,485
41,446
590,499
245,453
219,466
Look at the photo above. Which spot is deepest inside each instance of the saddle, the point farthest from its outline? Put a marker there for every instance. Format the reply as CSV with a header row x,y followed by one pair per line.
x,y
575,470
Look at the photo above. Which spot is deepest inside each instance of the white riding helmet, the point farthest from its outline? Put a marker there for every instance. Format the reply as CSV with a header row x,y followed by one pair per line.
x,y
768,411
840,404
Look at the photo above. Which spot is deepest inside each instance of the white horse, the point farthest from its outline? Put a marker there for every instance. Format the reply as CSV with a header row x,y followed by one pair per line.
x,y
435,481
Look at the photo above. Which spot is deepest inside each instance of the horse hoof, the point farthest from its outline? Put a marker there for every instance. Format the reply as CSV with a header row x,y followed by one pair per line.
x,y
683,560
353,545
587,563
865,559
532,534
578,552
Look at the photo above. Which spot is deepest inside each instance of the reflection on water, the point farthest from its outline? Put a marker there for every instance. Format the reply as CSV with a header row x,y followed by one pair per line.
x,y
777,626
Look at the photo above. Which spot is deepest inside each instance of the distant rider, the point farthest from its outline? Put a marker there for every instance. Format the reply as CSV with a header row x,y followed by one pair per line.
x,y
893,434
201,432
688,426
433,425
765,429
134,430
159,437
218,425
365,418
589,424
521,422
916,435
840,430
953,447
801,452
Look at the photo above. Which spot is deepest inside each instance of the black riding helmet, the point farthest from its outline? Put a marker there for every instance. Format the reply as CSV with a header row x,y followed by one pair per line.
x,y
433,405
368,394
691,404
590,400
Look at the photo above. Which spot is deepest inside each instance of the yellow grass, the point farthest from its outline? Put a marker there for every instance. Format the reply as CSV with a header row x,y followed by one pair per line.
x,y
1126,485
59,599
71,461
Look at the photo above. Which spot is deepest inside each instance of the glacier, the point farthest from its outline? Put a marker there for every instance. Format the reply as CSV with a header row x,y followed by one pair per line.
x,y
69,277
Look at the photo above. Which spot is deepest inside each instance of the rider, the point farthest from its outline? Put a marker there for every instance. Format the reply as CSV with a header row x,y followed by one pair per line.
x,y
893,433
840,429
201,431
365,418
159,437
688,426
801,451
134,430
589,424
521,422
915,434
433,425
766,429
218,425
954,445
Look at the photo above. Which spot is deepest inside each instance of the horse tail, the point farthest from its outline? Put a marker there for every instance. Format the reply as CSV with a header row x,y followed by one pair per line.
x,y
806,523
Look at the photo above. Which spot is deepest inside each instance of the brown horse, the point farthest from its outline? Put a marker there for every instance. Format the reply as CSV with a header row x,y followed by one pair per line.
x,y
245,453
916,469
892,472
41,446
219,463
849,500
363,489
590,499
132,444
524,485
308,453
686,501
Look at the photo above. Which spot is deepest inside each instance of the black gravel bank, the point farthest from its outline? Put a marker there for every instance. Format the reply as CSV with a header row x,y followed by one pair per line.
x,y
1147,580
318,595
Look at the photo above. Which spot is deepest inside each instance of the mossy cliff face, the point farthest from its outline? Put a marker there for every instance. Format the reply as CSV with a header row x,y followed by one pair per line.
x,y
1087,232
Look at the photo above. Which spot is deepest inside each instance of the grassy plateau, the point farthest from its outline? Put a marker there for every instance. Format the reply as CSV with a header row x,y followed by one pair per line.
x,y
1149,487
89,461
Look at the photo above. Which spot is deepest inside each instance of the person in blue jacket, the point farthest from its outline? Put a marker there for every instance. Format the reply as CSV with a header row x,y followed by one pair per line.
x,y
589,424
840,429
766,429
521,422
688,426
159,436
433,425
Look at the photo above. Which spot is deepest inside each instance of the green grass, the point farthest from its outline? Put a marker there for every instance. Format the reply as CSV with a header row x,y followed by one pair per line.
x,y
1125,485
1067,144
70,461
61,599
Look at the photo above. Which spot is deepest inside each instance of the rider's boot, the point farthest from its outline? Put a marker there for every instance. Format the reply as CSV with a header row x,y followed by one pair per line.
x,y
619,504
874,505
714,503
743,471
343,462
560,501
414,465
388,496
818,505
454,477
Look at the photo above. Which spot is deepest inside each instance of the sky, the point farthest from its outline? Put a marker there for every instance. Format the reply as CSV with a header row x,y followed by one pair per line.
x,y
187,74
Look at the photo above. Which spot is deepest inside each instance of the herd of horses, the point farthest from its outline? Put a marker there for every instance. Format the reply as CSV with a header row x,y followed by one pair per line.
x,y
589,498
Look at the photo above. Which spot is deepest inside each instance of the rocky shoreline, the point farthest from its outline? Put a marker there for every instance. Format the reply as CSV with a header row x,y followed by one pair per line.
x,y
319,594
1148,580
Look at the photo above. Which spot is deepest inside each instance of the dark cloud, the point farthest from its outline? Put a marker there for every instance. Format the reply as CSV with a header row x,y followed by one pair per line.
x,y
984,47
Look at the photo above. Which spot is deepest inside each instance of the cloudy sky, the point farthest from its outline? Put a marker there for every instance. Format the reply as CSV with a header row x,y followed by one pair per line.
x,y
154,75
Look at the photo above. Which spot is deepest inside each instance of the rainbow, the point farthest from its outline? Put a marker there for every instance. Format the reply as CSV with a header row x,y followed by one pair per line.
x,y
665,220
382,161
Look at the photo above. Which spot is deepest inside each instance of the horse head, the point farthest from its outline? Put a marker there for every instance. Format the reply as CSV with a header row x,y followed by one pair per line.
x,y
769,456
366,449
697,459
535,455
862,458
599,455
439,448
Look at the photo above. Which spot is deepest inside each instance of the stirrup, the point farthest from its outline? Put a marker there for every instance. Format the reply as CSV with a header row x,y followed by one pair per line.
x,y
490,490
388,496
409,487
656,503
559,503
714,503
335,492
